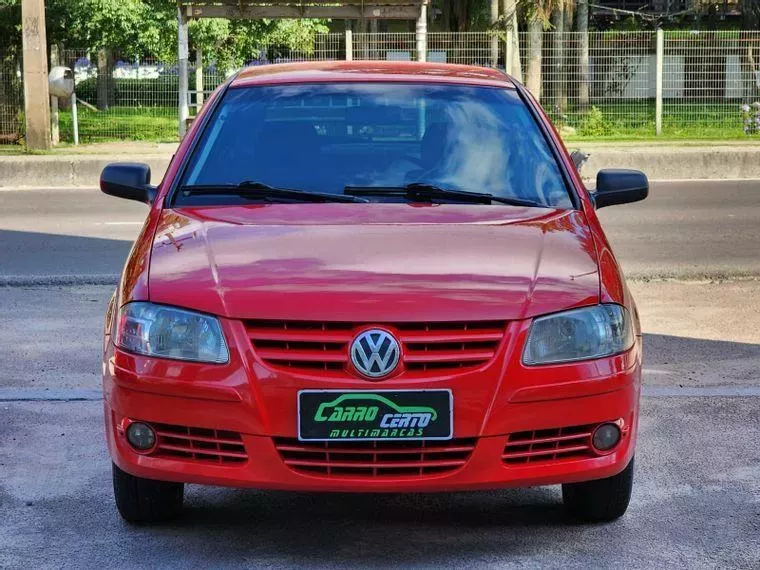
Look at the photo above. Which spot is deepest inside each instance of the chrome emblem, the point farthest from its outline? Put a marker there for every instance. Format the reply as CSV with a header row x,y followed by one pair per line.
x,y
375,353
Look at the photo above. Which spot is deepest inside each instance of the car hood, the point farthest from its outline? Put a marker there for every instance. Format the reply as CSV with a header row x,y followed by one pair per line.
x,y
373,263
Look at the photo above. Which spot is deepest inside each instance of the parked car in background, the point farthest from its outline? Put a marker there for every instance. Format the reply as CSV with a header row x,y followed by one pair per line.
x,y
372,277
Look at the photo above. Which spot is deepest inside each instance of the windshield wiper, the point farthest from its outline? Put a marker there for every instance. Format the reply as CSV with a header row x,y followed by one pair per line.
x,y
251,189
421,192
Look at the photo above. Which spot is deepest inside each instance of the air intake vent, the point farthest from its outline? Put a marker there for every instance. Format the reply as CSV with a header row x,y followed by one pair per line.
x,y
541,446
375,459
199,444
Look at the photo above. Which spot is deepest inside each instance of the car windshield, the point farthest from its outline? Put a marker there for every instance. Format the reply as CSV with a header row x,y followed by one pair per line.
x,y
337,138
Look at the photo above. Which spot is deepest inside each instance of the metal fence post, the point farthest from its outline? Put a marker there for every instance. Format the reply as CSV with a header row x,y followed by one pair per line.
x,y
658,81
422,32
349,45
200,89
510,54
55,116
183,55
75,118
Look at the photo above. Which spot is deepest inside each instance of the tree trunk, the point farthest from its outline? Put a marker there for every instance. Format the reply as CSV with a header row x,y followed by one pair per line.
x,y
559,70
583,55
510,13
749,75
447,16
535,48
105,85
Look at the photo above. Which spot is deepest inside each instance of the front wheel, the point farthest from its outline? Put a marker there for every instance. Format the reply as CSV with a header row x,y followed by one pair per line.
x,y
601,500
143,501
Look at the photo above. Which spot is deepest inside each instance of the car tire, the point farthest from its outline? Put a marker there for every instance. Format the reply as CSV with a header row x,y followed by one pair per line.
x,y
142,501
601,500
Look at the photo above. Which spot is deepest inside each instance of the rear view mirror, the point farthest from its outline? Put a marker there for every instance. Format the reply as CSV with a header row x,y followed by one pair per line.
x,y
615,186
128,180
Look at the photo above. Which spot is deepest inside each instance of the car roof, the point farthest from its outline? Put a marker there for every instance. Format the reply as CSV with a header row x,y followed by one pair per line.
x,y
371,72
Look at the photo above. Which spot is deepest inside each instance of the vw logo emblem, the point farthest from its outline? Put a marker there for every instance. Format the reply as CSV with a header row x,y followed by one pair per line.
x,y
375,353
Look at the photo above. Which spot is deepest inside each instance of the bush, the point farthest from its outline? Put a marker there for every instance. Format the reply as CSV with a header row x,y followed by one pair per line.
x,y
594,124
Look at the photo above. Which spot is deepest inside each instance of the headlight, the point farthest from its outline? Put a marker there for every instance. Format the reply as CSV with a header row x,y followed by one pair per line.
x,y
580,334
166,332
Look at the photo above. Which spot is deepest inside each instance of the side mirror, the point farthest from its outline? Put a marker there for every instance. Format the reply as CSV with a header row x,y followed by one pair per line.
x,y
614,186
128,180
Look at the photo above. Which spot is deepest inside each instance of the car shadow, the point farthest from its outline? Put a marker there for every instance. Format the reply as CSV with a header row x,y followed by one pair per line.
x,y
33,253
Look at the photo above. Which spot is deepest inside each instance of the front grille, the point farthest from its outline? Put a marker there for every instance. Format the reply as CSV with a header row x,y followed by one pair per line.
x,y
545,445
375,458
324,346
199,444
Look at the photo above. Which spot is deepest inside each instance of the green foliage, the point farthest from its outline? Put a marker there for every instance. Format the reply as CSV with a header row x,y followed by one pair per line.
x,y
594,124
229,44
138,28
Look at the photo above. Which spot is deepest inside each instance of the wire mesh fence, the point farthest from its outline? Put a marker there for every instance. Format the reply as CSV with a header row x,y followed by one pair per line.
x,y
707,77
120,97
386,46
468,48
595,85
11,99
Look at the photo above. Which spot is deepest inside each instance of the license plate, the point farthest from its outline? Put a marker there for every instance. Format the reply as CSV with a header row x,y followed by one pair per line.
x,y
336,415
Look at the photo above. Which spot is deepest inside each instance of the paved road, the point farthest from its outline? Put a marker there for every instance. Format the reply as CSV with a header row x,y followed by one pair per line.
x,y
695,505
684,229
696,500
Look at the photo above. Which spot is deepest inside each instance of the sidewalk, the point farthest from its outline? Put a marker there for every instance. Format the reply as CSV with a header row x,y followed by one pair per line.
x,y
688,160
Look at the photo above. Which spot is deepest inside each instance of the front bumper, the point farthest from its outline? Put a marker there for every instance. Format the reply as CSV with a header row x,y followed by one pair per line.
x,y
265,469
258,405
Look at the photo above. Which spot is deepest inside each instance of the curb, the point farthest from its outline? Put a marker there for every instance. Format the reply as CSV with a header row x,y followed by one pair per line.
x,y
68,170
671,163
678,163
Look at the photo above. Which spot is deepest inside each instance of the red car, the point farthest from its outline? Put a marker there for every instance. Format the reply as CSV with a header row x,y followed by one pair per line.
x,y
372,277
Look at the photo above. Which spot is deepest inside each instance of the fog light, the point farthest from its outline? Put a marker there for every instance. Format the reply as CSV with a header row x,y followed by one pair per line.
x,y
606,436
141,436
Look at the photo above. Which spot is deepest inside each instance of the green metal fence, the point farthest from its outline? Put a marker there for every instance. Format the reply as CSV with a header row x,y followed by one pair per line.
x,y
626,85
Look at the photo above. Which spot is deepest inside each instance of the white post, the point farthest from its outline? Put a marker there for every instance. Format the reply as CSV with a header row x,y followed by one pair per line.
x,y
55,130
422,32
199,94
75,118
54,115
183,55
510,54
349,45
658,81
494,37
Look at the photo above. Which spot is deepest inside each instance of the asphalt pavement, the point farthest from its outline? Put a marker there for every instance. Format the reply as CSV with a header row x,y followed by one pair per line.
x,y
696,501
684,229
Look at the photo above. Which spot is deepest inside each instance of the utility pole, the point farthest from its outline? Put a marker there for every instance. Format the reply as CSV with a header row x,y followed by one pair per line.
x,y
36,89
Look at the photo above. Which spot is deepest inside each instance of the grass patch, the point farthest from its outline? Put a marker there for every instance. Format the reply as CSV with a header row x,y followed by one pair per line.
x,y
154,124
635,120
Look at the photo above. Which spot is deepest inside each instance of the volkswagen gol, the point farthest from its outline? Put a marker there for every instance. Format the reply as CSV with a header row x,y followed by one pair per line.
x,y
371,277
